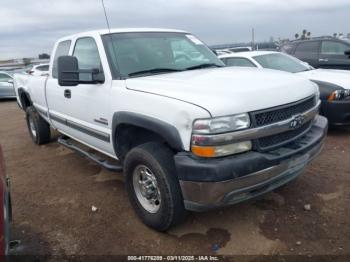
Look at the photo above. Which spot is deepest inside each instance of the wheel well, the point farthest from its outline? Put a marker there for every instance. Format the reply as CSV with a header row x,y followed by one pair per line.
x,y
129,136
25,100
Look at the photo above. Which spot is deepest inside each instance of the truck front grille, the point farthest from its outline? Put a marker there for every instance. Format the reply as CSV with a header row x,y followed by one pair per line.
x,y
280,113
270,142
277,114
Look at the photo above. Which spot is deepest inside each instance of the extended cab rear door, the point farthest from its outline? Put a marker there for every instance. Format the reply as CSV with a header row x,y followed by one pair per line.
x,y
82,111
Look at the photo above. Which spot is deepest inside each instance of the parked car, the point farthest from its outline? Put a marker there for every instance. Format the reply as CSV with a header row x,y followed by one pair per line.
x,y
6,85
6,210
334,85
189,134
40,69
324,52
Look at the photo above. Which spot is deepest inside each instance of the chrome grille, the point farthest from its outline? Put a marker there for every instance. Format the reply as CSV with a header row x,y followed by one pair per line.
x,y
277,114
269,142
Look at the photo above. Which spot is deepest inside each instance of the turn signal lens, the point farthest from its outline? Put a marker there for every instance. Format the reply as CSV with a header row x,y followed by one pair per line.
x,y
203,151
224,150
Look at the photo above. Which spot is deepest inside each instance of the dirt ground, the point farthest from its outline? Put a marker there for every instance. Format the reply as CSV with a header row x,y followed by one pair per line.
x,y
53,190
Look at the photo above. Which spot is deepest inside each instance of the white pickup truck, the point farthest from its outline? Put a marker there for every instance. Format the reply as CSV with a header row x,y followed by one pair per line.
x,y
189,133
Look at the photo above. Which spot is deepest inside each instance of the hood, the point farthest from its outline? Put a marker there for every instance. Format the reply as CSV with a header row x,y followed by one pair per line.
x,y
228,90
338,77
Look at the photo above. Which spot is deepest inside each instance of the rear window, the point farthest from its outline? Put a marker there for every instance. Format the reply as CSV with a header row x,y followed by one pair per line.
x,y
43,68
61,50
238,61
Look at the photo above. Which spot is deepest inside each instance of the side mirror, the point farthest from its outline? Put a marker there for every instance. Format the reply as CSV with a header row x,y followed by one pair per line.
x,y
69,73
214,51
347,52
10,81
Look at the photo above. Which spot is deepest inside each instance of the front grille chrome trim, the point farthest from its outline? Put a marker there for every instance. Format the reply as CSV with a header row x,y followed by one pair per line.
x,y
258,132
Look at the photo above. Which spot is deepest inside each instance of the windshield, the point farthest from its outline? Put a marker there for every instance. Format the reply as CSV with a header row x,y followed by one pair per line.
x,y
140,54
282,62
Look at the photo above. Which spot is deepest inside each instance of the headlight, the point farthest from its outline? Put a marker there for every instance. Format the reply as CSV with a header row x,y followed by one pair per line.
x,y
221,124
212,138
339,95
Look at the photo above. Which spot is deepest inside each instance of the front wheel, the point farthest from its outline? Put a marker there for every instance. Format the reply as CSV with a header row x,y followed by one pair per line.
x,y
153,187
38,128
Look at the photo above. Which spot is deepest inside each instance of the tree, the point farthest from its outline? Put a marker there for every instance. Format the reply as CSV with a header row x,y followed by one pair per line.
x,y
44,56
296,36
308,34
26,61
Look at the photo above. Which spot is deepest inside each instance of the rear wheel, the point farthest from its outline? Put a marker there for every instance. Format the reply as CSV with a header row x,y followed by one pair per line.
x,y
153,187
38,128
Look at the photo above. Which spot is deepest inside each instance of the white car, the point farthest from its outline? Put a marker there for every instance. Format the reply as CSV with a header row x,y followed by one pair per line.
x,y
189,133
39,70
334,85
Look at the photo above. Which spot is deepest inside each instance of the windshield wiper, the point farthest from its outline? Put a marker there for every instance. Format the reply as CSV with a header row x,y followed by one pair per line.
x,y
154,71
206,65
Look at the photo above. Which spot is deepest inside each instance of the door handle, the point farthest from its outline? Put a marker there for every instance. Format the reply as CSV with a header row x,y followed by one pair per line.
x,y
323,60
67,93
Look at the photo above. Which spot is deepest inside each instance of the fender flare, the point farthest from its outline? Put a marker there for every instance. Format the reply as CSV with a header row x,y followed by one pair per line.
x,y
20,92
168,132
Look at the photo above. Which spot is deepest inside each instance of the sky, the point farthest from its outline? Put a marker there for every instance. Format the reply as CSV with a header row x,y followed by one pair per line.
x,y
28,28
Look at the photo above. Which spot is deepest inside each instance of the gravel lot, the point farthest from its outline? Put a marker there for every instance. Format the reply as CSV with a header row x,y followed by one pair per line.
x,y
53,190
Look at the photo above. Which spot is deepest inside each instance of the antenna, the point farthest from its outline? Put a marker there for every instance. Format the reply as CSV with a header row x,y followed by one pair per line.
x,y
110,37
104,10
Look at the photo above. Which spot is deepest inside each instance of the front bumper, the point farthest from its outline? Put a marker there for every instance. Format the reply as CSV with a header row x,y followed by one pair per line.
x,y
337,112
207,184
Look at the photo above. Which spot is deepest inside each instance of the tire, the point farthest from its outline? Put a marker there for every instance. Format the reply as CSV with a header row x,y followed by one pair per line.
x,y
159,160
38,128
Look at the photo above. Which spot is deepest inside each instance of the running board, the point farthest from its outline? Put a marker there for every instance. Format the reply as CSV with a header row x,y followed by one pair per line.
x,y
65,141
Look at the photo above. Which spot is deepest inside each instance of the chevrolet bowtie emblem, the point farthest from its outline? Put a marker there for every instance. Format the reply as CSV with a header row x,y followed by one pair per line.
x,y
297,122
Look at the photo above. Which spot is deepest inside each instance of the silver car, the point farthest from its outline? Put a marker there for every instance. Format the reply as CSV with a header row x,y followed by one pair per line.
x,y
6,86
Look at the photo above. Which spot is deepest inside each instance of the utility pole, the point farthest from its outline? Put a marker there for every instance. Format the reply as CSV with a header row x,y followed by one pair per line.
x,y
253,39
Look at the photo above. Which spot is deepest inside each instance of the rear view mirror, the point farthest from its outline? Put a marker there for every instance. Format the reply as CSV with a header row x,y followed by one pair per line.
x,y
69,73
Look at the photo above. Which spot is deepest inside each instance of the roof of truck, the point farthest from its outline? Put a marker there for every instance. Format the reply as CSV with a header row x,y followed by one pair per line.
x,y
123,30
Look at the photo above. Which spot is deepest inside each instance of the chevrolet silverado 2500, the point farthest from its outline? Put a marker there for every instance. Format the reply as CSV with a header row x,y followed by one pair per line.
x,y
189,133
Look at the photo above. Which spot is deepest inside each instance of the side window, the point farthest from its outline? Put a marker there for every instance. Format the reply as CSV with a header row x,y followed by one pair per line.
x,y
307,47
61,50
238,61
4,77
333,48
87,53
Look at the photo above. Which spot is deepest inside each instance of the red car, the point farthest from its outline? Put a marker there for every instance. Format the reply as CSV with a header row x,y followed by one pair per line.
x,y
5,212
